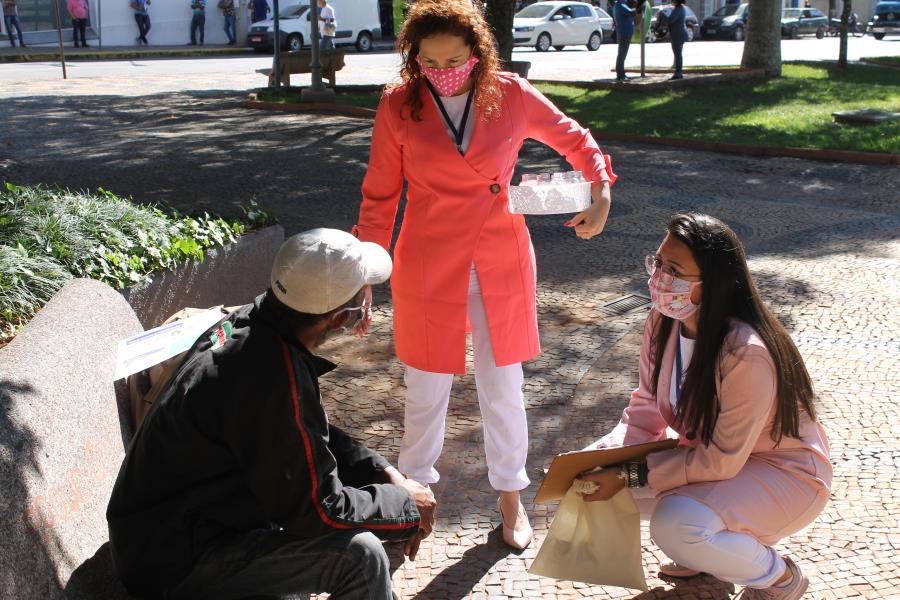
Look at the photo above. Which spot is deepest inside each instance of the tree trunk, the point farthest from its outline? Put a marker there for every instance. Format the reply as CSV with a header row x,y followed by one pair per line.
x,y
762,46
499,15
845,23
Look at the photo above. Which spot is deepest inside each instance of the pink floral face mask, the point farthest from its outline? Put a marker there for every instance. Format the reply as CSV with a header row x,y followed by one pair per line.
x,y
448,81
671,296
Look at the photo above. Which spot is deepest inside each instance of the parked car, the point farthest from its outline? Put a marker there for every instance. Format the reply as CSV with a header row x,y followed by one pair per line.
x,y
886,20
358,23
730,21
803,21
659,28
561,24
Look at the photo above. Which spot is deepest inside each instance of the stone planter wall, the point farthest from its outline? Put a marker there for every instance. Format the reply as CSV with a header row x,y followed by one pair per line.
x,y
62,440
231,275
64,423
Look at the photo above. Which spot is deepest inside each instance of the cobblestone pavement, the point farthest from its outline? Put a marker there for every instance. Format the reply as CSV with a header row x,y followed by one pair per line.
x,y
824,247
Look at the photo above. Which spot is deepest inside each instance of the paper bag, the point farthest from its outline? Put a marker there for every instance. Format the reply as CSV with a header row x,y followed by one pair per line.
x,y
594,542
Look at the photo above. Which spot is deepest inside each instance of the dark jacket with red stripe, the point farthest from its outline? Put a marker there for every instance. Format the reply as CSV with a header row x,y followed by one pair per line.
x,y
239,441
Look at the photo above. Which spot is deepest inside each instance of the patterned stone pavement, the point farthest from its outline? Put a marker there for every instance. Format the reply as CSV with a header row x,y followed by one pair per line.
x,y
824,247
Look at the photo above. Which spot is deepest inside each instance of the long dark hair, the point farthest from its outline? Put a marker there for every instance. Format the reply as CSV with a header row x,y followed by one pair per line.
x,y
465,19
728,293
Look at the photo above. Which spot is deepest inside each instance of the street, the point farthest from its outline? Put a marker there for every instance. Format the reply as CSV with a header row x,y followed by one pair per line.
x,y
139,77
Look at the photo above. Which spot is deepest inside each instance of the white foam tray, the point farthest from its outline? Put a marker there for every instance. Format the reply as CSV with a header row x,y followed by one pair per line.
x,y
550,198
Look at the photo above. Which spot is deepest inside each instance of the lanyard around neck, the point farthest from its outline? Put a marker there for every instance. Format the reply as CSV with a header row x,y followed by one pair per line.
x,y
457,133
678,374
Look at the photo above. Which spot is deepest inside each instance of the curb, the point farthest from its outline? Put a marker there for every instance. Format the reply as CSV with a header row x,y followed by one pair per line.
x,y
708,78
849,156
880,63
694,71
48,56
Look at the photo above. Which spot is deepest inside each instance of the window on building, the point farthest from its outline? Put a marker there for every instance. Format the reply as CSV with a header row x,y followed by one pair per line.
x,y
40,15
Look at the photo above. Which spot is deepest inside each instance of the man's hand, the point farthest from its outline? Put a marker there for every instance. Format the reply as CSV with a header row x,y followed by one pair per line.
x,y
392,475
425,502
362,326
411,547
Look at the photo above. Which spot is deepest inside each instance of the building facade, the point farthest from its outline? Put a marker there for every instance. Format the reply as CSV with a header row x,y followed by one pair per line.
x,y
111,22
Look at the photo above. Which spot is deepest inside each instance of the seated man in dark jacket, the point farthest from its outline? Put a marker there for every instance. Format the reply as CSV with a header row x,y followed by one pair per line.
x,y
236,485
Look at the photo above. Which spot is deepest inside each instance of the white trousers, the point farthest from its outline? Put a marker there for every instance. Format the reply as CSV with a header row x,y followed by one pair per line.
x,y
499,397
693,535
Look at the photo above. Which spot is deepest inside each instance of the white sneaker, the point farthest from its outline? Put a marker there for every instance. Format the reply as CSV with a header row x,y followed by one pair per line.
x,y
671,568
793,590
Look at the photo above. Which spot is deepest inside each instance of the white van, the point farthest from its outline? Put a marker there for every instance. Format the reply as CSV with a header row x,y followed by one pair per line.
x,y
358,23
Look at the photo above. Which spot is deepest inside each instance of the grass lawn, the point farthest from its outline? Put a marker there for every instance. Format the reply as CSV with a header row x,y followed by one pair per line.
x,y
794,110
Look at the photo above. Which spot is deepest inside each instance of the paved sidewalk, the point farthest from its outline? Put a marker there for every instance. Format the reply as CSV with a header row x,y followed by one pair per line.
x,y
824,247
50,52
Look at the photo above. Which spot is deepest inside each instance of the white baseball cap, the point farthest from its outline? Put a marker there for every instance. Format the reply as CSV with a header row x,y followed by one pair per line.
x,y
319,270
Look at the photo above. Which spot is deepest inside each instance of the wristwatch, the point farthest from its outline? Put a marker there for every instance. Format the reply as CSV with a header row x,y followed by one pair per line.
x,y
634,473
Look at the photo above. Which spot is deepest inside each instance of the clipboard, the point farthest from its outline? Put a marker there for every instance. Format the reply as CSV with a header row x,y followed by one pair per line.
x,y
566,467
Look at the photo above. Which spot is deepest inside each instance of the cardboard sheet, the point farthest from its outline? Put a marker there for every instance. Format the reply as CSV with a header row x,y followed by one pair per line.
x,y
153,346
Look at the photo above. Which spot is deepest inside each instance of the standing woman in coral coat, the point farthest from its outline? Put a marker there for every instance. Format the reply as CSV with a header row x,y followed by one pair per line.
x,y
452,130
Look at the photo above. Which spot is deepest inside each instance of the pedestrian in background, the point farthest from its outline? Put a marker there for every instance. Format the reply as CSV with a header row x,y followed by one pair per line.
x,y
142,18
78,10
623,14
198,21
227,7
678,35
327,26
258,10
11,19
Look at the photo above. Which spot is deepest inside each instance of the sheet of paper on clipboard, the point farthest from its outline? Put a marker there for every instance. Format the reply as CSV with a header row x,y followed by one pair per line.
x,y
566,467
153,346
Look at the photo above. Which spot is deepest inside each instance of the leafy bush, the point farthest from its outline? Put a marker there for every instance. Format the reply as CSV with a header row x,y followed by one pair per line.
x,y
48,236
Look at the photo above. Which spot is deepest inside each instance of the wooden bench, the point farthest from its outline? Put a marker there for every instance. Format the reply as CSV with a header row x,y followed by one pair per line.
x,y
299,62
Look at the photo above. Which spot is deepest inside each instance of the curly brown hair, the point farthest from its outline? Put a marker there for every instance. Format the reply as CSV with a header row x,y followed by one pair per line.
x,y
463,18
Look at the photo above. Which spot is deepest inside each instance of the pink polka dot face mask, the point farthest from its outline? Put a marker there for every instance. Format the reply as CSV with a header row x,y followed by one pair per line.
x,y
447,82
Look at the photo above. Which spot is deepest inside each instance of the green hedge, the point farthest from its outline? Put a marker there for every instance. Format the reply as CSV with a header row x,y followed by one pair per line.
x,y
48,236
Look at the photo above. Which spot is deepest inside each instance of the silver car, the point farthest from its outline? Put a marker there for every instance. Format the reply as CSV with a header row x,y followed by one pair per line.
x,y
560,24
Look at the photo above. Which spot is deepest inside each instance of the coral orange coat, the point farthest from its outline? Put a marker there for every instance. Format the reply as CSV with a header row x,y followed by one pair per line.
x,y
457,213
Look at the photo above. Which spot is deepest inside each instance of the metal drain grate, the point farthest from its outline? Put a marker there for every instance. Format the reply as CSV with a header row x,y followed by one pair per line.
x,y
625,305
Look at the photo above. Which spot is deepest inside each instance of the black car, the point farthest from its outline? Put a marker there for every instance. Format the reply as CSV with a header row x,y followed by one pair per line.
x,y
730,22
886,20
659,29
803,21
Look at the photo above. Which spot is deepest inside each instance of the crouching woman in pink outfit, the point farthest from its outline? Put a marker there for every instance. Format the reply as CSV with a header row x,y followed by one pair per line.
x,y
751,466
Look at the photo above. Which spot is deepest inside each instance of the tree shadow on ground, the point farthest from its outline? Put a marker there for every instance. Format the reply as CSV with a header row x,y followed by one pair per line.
x,y
28,545
459,579
712,589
